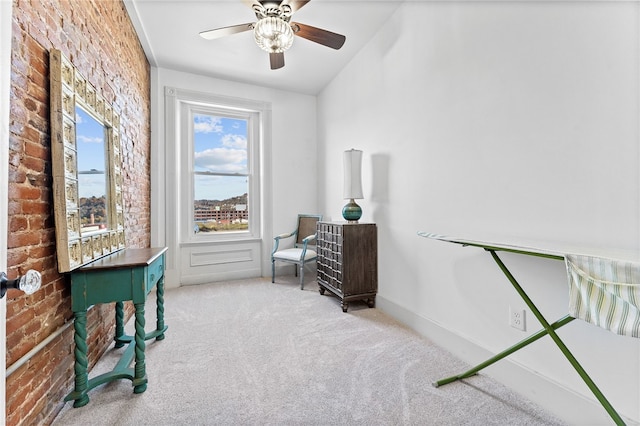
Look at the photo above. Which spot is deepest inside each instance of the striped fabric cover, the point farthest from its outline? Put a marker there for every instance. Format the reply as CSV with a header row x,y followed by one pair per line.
x,y
605,292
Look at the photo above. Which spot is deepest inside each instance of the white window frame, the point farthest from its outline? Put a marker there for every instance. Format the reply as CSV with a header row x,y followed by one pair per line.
x,y
178,236
187,111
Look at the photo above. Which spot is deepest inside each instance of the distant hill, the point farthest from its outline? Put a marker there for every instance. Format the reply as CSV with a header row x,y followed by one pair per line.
x,y
93,205
208,204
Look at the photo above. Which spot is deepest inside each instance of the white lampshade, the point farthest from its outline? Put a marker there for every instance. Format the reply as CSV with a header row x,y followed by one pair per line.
x,y
352,174
273,34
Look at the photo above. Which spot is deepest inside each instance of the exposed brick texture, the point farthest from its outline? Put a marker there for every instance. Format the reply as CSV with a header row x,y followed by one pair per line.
x,y
98,37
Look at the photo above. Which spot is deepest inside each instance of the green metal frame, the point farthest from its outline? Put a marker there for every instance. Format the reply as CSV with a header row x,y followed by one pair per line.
x,y
548,329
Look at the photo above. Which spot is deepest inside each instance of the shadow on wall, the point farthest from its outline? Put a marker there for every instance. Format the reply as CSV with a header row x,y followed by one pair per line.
x,y
380,178
380,187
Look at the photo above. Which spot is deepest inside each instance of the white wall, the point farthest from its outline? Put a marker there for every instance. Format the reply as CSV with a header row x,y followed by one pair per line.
x,y
518,119
291,159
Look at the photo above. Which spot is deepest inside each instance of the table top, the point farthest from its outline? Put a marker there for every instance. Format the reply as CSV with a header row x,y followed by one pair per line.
x,y
127,258
540,248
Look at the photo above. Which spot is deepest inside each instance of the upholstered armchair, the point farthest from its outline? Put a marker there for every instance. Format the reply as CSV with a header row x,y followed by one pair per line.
x,y
304,246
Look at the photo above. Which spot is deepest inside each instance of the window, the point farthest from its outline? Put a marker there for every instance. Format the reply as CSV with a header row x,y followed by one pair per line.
x,y
220,196
199,128
220,173
217,149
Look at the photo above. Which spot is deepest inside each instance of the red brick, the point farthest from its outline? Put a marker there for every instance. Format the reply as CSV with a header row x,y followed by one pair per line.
x,y
18,223
99,38
35,207
26,193
14,400
32,163
33,135
22,239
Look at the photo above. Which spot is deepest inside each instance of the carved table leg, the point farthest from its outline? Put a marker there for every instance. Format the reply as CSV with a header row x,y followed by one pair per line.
x,y
80,367
160,327
140,377
119,324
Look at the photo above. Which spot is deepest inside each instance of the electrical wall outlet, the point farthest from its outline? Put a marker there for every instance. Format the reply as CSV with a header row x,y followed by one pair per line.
x,y
517,318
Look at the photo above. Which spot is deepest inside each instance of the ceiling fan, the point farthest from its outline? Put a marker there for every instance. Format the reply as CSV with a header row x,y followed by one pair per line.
x,y
274,31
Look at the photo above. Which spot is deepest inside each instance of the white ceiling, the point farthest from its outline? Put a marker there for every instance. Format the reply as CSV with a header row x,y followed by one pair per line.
x,y
168,31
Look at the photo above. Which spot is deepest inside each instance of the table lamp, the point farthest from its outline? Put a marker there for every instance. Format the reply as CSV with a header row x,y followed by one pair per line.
x,y
351,212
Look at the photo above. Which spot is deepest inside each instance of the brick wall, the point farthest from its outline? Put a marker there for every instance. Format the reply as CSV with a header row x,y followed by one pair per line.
x,y
98,37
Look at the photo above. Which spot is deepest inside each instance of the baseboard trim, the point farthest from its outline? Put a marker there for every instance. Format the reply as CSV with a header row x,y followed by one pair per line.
x,y
569,406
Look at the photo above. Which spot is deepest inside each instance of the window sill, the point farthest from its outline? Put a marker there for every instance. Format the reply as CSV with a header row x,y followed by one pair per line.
x,y
221,240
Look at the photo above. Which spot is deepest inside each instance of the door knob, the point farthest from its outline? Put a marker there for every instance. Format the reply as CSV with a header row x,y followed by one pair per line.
x,y
29,282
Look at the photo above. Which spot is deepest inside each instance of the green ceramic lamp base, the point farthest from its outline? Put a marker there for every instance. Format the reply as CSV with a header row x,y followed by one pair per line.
x,y
351,212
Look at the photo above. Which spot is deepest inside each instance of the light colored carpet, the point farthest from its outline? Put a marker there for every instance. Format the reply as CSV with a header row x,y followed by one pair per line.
x,y
256,353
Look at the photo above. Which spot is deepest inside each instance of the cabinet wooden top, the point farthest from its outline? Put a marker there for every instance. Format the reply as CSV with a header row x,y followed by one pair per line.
x,y
127,258
346,223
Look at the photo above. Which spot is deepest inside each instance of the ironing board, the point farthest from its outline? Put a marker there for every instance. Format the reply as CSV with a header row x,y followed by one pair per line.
x,y
569,255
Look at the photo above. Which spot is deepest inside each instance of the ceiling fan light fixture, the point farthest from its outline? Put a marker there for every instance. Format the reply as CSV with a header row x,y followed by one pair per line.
x,y
273,34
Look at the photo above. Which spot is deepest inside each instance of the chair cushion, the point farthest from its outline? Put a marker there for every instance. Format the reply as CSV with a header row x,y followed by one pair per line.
x,y
294,254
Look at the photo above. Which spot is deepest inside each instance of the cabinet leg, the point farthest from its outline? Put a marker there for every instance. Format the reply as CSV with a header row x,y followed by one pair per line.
x,y
140,374
345,306
371,302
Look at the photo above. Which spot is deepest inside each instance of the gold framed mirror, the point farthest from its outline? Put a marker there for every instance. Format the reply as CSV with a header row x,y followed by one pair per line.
x,y
87,168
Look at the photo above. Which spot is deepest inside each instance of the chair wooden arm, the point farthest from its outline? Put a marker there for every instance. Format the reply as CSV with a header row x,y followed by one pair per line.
x,y
277,238
309,238
306,241
286,235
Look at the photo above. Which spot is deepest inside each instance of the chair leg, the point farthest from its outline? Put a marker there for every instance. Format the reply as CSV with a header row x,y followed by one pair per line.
x,y
302,276
273,270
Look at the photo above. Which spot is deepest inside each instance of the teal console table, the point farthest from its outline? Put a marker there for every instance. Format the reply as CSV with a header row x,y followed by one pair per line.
x,y
129,274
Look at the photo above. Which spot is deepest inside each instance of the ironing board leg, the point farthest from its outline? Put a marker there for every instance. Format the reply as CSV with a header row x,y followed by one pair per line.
x,y
505,353
550,330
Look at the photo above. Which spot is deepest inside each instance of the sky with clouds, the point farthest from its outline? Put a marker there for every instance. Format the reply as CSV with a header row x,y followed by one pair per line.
x,y
220,146
91,155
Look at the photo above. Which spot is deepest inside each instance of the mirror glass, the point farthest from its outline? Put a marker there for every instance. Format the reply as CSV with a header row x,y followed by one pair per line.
x,y
92,177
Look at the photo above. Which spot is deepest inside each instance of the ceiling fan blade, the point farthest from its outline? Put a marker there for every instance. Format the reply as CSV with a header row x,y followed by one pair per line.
x,y
318,35
277,60
296,4
225,31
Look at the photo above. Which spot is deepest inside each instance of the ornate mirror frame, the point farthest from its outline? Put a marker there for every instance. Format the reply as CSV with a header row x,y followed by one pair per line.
x,y
70,89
